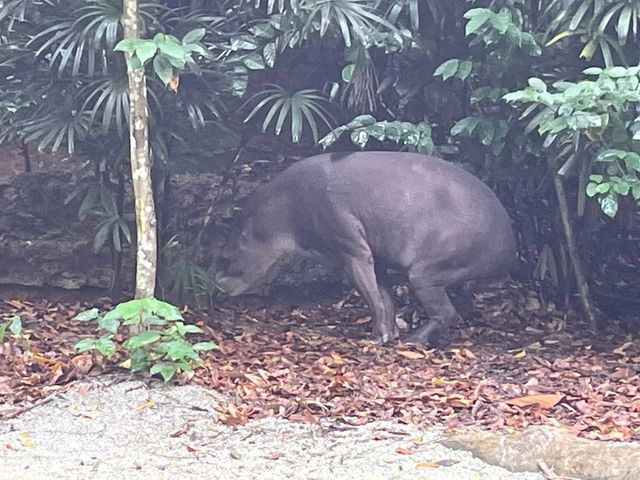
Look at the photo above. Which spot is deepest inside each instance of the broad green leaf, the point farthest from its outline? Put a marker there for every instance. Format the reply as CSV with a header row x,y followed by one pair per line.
x,y
127,45
616,72
254,61
146,51
477,17
592,71
105,346
163,68
466,125
203,346
447,69
109,323
85,345
174,50
464,69
609,204
537,84
591,189
143,338
244,42
347,72
15,325
87,315
501,21
166,370
192,329
3,330
180,349
194,36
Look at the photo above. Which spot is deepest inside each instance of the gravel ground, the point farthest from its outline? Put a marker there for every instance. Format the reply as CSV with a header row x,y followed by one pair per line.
x,y
114,429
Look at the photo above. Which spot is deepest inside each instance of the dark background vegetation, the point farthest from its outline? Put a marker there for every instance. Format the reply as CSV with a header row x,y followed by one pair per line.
x,y
420,75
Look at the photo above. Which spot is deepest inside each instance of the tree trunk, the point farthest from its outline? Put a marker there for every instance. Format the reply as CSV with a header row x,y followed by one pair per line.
x,y
146,248
574,256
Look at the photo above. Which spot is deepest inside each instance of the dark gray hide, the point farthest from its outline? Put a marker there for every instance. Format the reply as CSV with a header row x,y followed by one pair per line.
x,y
373,211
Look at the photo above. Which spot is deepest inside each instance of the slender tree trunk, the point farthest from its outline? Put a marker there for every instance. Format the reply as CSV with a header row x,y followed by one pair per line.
x,y
146,236
574,256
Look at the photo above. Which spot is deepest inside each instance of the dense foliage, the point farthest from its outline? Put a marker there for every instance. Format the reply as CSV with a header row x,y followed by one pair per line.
x,y
517,90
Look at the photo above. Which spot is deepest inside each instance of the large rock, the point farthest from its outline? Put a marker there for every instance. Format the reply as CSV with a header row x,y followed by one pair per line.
x,y
568,455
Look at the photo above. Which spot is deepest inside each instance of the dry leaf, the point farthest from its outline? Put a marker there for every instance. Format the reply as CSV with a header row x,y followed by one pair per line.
x,y
145,405
93,414
405,451
410,354
426,464
25,440
547,400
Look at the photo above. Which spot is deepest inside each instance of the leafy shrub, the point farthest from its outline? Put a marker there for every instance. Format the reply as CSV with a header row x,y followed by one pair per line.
x,y
156,337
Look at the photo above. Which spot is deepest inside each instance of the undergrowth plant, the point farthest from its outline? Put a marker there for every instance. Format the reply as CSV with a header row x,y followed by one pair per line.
x,y
156,337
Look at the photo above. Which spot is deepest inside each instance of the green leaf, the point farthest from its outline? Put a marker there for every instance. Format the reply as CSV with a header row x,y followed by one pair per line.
x,y
269,54
537,84
194,36
192,329
105,346
447,69
592,71
109,323
163,68
87,315
143,338
127,45
85,345
616,72
347,72
464,69
477,17
15,326
203,346
501,21
174,50
466,125
254,61
166,370
591,189
609,204
180,349
146,51
3,329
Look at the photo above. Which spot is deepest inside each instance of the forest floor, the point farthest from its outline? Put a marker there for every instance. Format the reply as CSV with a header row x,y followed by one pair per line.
x,y
288,368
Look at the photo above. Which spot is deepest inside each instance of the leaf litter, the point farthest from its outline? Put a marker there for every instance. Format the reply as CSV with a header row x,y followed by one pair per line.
x,y
508,368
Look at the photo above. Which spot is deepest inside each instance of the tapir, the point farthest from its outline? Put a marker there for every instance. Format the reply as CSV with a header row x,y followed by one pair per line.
x,y
377,211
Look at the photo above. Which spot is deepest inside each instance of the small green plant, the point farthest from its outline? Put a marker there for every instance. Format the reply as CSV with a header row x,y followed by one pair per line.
x,y
156,337
15,327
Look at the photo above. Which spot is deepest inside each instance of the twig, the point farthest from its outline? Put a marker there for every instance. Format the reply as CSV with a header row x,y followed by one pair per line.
x,y
21,410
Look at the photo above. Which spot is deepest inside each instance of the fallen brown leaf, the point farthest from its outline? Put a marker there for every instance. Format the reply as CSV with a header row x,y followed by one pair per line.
x,y
549,400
